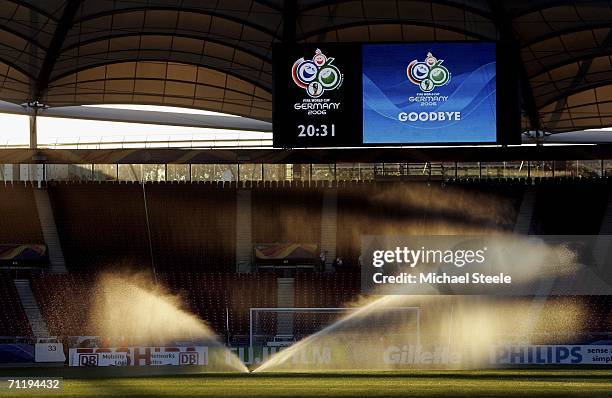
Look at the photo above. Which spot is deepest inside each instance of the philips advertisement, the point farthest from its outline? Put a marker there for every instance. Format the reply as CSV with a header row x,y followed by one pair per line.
x,y
429,93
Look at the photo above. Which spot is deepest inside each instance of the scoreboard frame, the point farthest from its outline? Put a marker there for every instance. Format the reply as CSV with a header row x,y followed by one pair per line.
x,y
345,109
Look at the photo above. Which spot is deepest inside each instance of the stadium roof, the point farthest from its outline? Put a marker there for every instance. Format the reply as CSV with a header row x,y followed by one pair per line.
x,y
216,54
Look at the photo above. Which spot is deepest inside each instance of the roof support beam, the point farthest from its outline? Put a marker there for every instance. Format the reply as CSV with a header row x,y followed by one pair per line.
x,y
583,70
289,21
511,44
55,47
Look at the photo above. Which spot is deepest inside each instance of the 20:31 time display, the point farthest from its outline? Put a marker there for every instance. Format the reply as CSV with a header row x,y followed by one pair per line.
x,y
311,130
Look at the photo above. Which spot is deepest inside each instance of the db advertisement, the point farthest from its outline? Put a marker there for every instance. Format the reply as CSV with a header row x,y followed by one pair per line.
x,y
139,356
552,355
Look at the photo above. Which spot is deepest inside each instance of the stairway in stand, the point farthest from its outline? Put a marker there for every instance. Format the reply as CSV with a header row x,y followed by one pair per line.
x,y
49,230
31,308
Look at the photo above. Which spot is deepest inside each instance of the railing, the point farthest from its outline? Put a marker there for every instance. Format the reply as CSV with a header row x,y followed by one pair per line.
x,y
306,172
214,140
562,337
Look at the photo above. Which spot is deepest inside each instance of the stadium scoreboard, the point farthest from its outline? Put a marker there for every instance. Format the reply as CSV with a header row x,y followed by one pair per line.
x,y
352,94
316,92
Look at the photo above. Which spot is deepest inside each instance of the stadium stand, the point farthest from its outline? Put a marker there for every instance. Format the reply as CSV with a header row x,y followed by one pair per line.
x,y
322,290
599,310
287,215
583,318
66,299
101,226
13,320
418,208
19,221
65,302
326,290
215,295
587,198
193,226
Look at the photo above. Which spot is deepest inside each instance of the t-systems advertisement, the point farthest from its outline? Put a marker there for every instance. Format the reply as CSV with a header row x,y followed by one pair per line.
x,y
429,93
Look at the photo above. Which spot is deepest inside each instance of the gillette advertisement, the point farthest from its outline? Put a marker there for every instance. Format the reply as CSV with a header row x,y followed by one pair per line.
x,y
433,93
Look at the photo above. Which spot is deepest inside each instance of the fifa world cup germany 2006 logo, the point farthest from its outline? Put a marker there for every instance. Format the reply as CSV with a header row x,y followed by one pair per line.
x,y
316,75
428,74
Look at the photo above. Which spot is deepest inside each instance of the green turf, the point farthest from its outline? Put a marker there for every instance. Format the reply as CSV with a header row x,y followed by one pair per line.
x,y
507,383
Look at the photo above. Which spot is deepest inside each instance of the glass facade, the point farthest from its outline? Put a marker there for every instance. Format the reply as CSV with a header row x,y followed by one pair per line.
x,y
305,172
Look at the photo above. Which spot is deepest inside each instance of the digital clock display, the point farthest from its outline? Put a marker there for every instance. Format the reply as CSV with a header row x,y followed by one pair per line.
x,y
322,130
316,97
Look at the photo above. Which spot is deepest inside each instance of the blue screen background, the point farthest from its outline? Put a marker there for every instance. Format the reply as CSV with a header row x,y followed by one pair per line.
x,y
471,90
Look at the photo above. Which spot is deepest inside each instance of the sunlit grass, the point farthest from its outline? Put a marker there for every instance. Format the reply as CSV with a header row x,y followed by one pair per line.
x,y
512,383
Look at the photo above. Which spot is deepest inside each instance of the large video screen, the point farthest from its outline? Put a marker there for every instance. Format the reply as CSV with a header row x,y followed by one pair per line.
x,y
317,93
429,93
347,95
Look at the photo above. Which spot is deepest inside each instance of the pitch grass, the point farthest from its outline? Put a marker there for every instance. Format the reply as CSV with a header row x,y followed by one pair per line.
x,y
504,383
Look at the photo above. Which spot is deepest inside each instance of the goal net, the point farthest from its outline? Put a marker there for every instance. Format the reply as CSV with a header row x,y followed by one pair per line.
x,y
283,326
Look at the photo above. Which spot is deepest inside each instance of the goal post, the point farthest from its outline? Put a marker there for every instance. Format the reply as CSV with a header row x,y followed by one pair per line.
x,y
283,326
